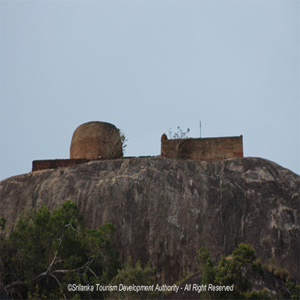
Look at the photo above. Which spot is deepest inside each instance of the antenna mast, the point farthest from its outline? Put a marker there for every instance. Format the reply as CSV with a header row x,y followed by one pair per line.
x,y
200,128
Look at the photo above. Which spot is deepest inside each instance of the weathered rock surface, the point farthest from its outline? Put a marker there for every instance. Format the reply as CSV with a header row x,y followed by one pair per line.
x,y
164,209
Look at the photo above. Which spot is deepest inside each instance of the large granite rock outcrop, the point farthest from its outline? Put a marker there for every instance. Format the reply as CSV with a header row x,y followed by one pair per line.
x,y
164,209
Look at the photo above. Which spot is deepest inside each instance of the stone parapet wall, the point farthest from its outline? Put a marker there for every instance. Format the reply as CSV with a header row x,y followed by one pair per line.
x,y
38,165
209,149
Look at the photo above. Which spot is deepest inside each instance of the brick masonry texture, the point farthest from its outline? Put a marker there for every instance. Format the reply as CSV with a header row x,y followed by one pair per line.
x,y
95,140
209,149
55,163
101,140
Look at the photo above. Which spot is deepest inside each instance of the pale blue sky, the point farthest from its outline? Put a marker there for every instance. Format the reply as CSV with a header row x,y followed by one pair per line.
x,y
147,66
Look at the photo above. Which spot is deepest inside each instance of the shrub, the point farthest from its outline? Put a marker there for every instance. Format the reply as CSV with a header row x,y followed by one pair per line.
x,y
114,145
180,138
294,288
137,276
47,250
237,270
273,268
282,273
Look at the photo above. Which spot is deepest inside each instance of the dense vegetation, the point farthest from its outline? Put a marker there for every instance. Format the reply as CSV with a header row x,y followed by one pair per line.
x,y
53,255
46,251
235,271
238,270
138,276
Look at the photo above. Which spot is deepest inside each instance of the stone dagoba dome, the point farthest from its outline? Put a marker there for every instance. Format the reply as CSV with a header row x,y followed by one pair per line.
x,y
95,140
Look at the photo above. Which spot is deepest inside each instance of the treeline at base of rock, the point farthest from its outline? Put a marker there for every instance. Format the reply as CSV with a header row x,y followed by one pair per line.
x,y
53,255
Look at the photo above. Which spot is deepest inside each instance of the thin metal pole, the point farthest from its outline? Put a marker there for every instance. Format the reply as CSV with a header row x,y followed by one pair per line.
x,y
200,129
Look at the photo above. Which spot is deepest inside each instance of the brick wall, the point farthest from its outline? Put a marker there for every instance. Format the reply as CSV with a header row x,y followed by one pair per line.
x,y
203,148
55,163
95,140
198,149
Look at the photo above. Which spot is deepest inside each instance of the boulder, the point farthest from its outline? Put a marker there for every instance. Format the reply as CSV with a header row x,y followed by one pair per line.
x,y
166,209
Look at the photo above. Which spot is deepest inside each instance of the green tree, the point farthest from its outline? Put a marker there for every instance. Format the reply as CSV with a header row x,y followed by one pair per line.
x,y
237,269
135,276
47,251
294,288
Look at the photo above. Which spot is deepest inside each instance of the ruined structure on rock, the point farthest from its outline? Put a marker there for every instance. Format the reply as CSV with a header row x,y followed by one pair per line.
x,y
90,141
95,140
101,140
209,149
